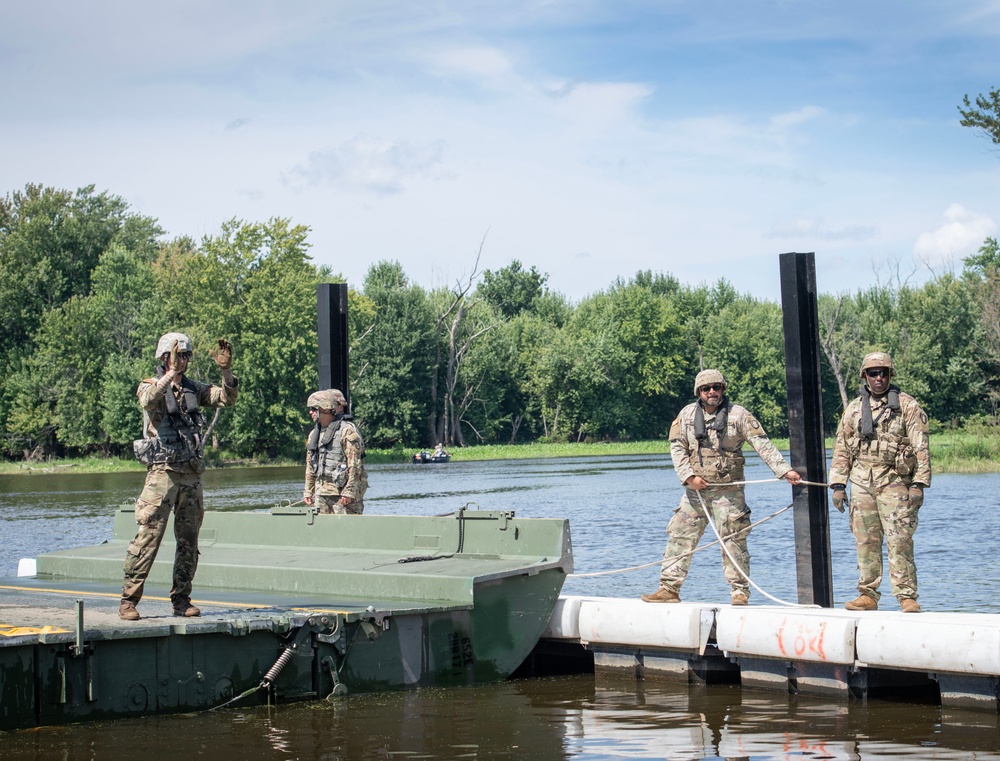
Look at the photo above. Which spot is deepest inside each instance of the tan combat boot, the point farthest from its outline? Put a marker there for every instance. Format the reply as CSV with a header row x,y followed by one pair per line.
x,y
662,595
862,602
909,605
740,599
127,611
183,607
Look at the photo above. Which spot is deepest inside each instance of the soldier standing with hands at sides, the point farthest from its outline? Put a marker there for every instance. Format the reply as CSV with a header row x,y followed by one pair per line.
x,y
172,450
336,480
706,442
882,451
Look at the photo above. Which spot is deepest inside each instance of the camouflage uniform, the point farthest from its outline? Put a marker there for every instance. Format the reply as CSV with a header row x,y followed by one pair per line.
x,y
718,466
172,486
335,468
881,471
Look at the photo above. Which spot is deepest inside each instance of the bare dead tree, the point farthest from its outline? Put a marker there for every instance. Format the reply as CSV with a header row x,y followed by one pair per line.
x,y
446,425
828,342
895,280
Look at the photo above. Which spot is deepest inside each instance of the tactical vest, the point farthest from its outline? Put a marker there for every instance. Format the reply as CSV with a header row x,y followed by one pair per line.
x,y
177,437
714,462
181,428
326,453
719,466
889,446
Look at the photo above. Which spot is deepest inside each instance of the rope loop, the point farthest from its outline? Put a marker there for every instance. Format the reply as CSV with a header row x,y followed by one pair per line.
x,y
720,540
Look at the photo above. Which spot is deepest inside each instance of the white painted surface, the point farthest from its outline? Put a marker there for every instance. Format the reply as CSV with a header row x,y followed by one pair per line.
x,y
959,643
787,633
565,621
682,626
968,645
26,567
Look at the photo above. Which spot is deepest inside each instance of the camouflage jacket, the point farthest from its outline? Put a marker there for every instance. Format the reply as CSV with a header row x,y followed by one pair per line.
x,y
899,449
351,450
189,394
720,465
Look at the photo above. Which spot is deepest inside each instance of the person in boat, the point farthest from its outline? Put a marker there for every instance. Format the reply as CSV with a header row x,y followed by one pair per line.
x,y
439,450
172,450
882,451
336,480
706,442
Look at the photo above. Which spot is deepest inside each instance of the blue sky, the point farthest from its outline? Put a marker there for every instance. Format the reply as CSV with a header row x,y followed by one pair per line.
x,y
588,139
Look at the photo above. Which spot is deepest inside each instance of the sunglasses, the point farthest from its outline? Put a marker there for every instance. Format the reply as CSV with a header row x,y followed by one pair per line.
x,y
314,409
877,372
713,387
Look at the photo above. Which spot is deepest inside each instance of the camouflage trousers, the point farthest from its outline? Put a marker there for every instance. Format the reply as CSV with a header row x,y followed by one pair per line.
x,y
884,511
329,504
163,493
730,515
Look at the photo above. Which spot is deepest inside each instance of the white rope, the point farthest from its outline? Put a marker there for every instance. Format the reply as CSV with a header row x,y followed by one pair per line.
x,y
766,481
718,540
742,573
677,558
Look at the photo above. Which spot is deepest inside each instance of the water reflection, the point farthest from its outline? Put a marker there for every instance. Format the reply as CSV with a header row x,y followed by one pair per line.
x,y
547,719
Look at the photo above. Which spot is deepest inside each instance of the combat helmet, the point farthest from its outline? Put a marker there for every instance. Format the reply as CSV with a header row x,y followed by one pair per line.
x,y
327,399
166,343
877,359
706,377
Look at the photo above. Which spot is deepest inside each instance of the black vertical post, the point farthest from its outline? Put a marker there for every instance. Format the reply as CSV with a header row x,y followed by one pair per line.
x,y
805,428
331,299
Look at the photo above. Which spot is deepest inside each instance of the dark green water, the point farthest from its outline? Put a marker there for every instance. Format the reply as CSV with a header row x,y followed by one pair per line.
x,y
618,509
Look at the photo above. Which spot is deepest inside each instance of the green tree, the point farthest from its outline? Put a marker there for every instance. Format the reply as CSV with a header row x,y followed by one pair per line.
x,y
745,341
393,395
985,117
512,289
262,295
939,360
60,384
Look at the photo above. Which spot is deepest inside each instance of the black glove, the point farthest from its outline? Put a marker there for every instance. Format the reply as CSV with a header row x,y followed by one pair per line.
x,y
840,496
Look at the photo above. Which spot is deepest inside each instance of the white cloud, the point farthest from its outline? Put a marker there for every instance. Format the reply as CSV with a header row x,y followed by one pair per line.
x,y
817,229
961,234
480,63
376,165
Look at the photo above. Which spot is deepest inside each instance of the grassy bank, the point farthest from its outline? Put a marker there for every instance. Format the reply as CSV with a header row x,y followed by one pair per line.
x,y
952,452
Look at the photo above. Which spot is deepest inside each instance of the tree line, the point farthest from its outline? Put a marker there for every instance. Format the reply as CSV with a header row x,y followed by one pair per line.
x,y
87,286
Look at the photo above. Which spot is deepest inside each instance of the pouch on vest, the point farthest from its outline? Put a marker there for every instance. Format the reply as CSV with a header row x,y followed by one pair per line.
x,y
155,451
906,461
144,450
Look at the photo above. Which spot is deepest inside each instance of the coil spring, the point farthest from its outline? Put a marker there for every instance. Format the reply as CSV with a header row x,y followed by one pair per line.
x,y
283,659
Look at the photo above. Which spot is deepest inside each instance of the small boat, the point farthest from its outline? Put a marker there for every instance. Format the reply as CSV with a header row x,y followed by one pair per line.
x,y
295,605
425,457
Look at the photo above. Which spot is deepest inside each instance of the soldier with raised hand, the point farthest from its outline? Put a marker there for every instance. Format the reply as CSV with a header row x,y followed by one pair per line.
x,y
172,450
882,451
336,480
706,443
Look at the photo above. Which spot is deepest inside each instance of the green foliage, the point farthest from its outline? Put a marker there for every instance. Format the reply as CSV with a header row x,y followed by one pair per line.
x,y
391,394
87,289
269,308
985,117
511,290
987,259
744,340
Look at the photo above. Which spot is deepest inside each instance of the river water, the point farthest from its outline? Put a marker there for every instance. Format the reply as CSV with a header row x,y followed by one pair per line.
x,y
618,509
